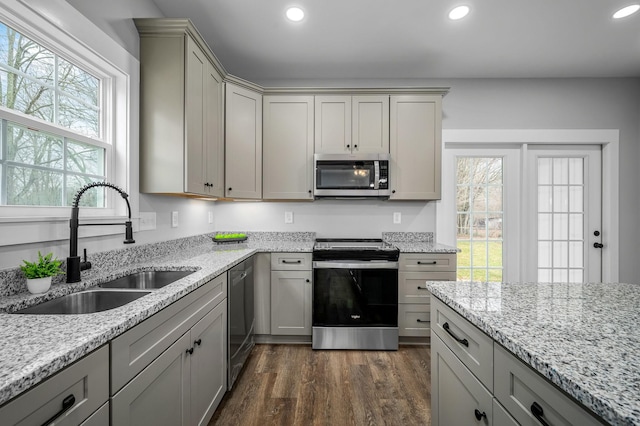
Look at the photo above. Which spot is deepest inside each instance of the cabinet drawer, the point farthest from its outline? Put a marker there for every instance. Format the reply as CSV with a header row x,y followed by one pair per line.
x,y
99,418
471,345
518,388
456,393
136,348
413,320
501,417
87,380
426,262
412,288
290,261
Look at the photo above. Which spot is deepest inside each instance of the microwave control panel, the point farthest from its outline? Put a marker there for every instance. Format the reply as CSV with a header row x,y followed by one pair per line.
x,y
384,175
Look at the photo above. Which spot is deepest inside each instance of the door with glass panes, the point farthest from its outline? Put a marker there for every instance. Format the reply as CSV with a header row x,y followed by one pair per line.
x,y
533,220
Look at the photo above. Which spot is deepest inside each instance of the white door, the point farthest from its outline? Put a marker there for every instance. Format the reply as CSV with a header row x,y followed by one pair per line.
x,y
564,236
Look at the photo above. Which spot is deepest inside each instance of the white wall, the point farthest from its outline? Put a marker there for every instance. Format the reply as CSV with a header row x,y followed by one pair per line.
x,y
328,218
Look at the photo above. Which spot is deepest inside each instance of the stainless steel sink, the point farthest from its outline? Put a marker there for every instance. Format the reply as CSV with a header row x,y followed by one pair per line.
x,y
85,302
148,280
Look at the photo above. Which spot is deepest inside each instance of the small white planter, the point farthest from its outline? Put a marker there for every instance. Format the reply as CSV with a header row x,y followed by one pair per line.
x,y
38,285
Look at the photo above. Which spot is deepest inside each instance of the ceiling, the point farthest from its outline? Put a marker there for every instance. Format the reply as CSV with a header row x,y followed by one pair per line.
x,y
414,39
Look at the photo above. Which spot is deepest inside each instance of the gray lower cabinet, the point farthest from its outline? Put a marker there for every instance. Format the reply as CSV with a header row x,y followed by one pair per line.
x,y
262,293
99,418
171,368
413,297
457,397
185,384
291,294
83,387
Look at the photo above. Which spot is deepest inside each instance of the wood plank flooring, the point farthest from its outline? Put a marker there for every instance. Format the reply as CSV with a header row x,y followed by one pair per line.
x,y
294,385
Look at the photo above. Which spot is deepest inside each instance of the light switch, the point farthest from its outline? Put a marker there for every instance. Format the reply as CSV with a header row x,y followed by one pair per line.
x,y
174,219
210,217
147,221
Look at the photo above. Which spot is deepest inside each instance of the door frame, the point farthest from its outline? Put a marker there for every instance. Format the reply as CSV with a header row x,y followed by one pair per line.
x,y
609,140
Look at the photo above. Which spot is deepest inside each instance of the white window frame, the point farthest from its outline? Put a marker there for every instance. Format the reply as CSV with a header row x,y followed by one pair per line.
x,y
59,26
609,140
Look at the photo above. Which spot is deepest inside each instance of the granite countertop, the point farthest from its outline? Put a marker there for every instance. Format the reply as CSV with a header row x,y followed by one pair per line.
x,y
424,247
37,346
584,338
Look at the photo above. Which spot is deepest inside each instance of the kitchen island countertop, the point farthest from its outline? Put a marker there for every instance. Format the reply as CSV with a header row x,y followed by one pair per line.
x,y
584,338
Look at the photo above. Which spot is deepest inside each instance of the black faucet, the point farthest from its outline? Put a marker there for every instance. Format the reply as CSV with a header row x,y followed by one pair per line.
x,y
74,265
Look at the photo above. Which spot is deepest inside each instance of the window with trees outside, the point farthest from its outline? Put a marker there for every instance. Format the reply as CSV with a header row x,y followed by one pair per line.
x,y
480,214
51,126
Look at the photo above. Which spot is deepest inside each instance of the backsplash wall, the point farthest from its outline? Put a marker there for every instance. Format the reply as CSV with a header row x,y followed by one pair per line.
x,y
328,218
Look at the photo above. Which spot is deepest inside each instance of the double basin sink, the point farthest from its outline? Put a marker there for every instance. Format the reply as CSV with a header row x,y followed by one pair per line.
x,y
111,294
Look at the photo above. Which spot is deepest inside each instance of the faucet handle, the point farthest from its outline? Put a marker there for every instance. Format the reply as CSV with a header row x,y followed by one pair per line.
x,y
85,264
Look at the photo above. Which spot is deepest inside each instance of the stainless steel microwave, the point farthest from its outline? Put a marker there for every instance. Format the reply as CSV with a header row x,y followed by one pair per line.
x,y
357,175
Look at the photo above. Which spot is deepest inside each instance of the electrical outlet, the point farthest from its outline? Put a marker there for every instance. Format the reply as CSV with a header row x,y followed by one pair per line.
x,y
174,219
397,217
288,217
210,217
147,221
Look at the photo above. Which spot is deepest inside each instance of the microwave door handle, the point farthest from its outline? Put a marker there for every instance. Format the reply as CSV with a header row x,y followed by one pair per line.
x,y
376,182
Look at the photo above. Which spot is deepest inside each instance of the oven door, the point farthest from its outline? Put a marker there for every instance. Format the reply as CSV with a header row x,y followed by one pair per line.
x,y
355,294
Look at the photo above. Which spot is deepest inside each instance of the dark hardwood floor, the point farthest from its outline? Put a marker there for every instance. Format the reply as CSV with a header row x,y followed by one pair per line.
x,y
294,385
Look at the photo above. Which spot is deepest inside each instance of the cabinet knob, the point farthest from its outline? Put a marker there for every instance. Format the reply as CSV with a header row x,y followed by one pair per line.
x,y
307,280
479,415
229,189
310,191
198,342
355,146
393,192
190,351
348,146
598,245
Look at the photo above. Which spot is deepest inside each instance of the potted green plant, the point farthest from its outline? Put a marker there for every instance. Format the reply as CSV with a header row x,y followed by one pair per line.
x,y
39,273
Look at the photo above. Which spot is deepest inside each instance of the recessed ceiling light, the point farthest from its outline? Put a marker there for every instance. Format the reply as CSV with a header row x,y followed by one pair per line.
x,y
459,13
626,11
295,14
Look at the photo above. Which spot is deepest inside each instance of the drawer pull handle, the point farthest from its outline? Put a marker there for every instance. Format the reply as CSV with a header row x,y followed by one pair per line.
x,y
419,320
435,262
538,413
480,415
459,340
290,262
422,288
67,403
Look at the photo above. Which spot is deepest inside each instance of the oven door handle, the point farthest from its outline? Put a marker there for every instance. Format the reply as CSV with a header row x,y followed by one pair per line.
x,y
354,265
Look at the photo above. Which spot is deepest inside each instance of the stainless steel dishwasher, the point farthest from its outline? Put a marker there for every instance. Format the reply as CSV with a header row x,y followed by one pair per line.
x,y
241,317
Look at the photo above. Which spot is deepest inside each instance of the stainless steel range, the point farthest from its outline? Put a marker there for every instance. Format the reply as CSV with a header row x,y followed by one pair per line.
x,y
355,294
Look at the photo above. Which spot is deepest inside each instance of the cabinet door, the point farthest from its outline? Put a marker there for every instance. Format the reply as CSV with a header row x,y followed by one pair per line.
x,y
291,303
160,394
333,124
415,147
214,130
456,394
208,364
262,288
370,124
288,147
196,70
243,143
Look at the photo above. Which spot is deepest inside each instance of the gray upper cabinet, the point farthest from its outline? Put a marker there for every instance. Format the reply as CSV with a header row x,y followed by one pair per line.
x,y
181,111
416,147
352,124
288,147
243,143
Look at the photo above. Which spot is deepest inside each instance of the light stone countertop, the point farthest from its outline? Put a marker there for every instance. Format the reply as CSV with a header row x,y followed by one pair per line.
x,y
37,346
585,338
